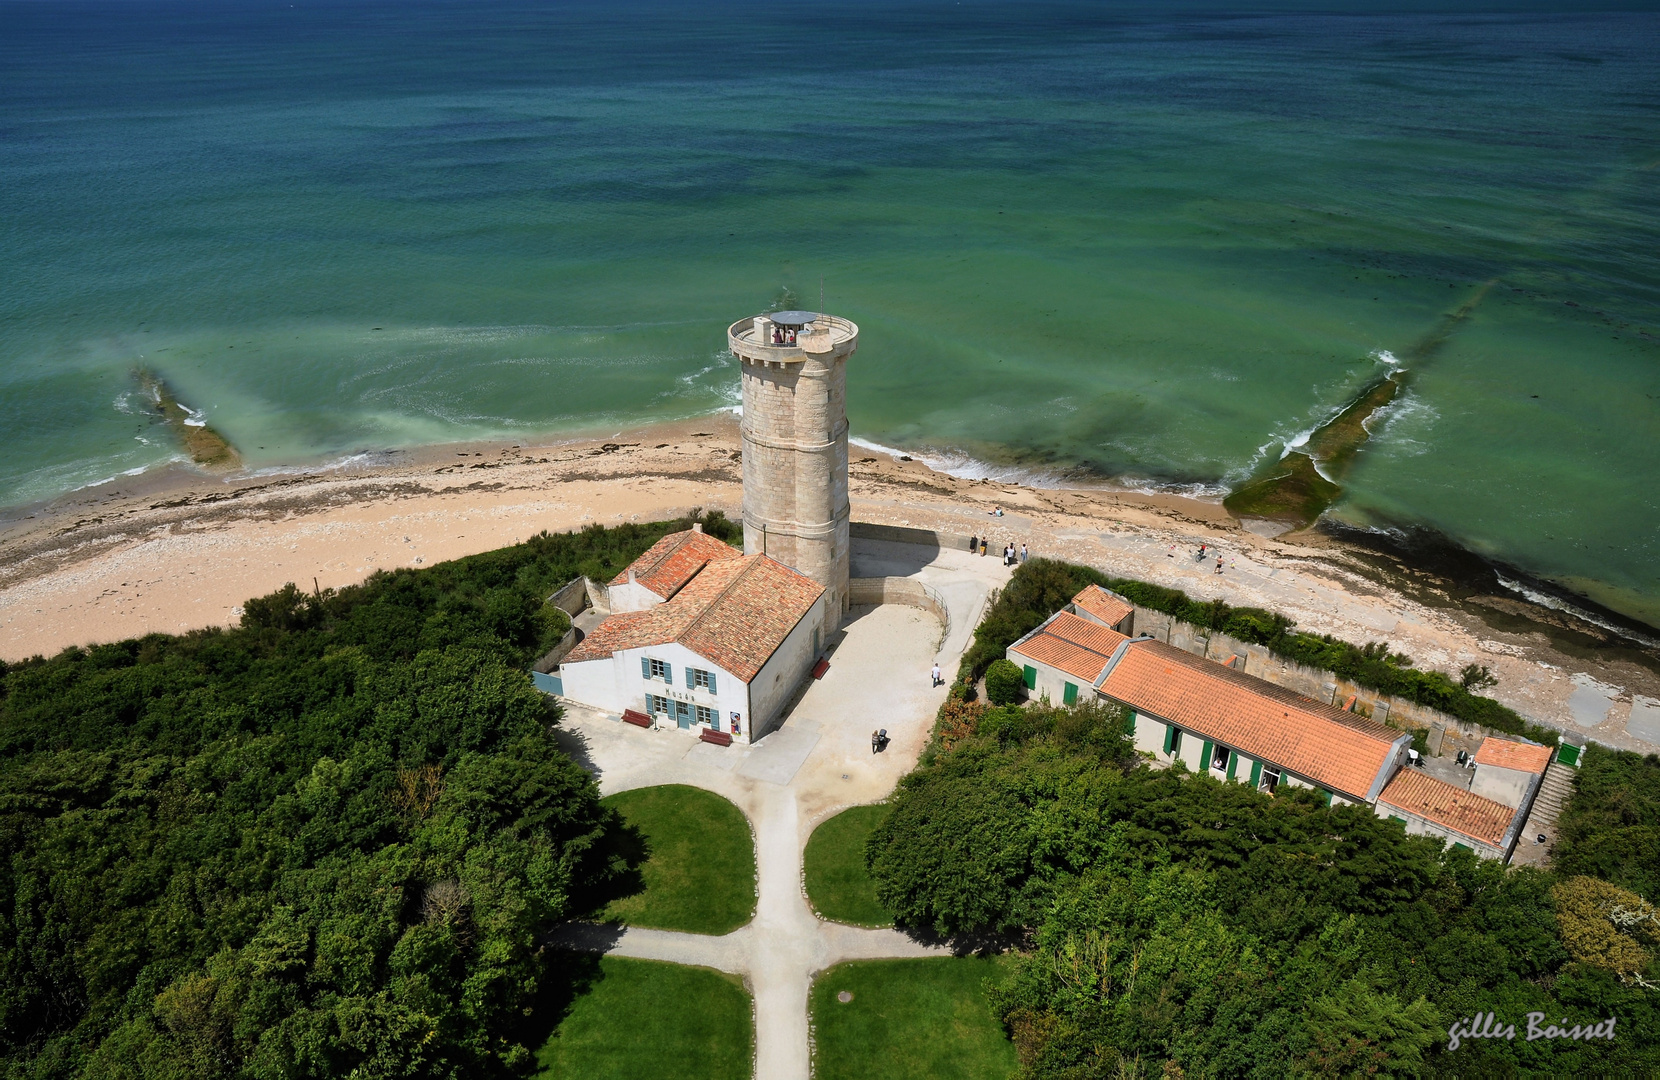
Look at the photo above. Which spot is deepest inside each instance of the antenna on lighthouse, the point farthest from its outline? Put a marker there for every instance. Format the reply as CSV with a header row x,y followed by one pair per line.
x,y
821,296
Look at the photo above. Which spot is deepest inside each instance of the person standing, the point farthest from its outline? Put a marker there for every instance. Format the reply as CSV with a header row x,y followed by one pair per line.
x,y
973,544
1023,555
936,673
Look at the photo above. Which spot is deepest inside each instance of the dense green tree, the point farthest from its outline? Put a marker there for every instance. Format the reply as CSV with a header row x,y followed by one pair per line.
x,y
323,843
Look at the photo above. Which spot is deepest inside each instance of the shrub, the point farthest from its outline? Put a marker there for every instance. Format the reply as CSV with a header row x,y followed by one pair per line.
x,y
1003,682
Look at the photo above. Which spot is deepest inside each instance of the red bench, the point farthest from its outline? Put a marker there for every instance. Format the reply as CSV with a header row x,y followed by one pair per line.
x,y
638,719
719,738
820,668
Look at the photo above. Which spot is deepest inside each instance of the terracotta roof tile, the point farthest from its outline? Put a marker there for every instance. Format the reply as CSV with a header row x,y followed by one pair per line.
x,y
736,614
1075,646
1526,757
1102,604
1336,749
1446,804
676,559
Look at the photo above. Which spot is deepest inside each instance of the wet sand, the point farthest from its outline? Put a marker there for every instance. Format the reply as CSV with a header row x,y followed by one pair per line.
x,y
180,550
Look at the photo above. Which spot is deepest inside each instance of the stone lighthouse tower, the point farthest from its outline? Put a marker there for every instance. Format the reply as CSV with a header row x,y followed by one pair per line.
x,y
795,441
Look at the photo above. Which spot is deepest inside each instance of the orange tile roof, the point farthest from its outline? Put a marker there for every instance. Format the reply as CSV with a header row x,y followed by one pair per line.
x,y
1449,805
1335,749
1075,646
675,560
1513,755
1102,604
735,614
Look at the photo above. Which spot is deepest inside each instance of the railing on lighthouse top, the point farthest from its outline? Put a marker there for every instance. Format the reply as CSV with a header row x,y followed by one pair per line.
x,y
782,337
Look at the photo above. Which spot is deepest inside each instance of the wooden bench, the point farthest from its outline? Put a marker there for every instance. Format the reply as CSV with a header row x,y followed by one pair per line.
x,y
638,719
820,668
719,738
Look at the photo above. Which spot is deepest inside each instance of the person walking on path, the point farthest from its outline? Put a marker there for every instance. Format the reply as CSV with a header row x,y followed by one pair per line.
x,y
936,673
1023,555
1219,564
973,544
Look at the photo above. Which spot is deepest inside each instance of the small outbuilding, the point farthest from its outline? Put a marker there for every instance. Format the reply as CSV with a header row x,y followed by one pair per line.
x,y
1430,806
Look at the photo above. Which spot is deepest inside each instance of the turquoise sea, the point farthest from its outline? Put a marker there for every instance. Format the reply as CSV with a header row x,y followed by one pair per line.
x,y
1153,243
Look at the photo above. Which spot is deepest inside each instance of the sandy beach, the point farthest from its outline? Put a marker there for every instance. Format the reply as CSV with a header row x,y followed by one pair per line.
x,y
182,551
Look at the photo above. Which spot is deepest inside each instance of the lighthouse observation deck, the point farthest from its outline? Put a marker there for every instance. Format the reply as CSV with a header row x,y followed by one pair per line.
x,y
789,337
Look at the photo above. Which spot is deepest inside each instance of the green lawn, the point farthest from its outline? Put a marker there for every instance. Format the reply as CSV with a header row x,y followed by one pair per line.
x,y
699,875
909,1020
641,1018
838,885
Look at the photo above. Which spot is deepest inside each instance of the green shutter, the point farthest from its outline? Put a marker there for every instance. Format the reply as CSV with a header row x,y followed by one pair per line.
x,y
1402,820
1256,774
1568,755
1129,721
1233,762
1204,755
1325,796
1030,673
1466,847
1069,694
1169,736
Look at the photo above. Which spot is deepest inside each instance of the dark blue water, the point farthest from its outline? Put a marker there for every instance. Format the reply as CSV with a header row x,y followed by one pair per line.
x,y
1144,242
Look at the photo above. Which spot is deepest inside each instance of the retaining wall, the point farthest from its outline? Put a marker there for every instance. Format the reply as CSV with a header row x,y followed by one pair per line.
x,y
899,534
1446,733
905,591
572,597
553,656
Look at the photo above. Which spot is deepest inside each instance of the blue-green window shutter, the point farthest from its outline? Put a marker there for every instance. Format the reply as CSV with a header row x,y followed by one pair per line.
x,y
1325,796
1402,820
691,679
1233,762
1256,773
1204,762
711,682
1030,674
1169,736
668,673
1129,721
645,667
1069,694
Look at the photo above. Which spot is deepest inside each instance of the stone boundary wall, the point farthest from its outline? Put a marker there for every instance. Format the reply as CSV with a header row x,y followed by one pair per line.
x,y
572,597
551,659
1447,733
899,534
908,592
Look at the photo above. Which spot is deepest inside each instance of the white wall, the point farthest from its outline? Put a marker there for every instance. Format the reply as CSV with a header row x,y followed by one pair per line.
x,y
782,673
1051,682
632,596
615,684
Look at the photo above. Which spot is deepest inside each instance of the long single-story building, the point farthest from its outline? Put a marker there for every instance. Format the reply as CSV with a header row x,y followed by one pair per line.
x,y
1231,725
724,648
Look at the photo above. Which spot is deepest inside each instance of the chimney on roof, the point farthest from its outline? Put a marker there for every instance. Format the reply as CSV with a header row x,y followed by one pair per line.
x,y
697,526
631,575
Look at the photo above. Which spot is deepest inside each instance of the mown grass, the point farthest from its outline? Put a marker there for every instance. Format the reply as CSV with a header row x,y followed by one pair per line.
x,y
642,1018
838,885
909,1020
699,871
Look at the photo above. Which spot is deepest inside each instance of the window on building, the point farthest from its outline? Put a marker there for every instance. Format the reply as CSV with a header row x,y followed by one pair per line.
x,y
1173,741
1219,758
658,705
708,716
656,669
1270,780
1069,694
697,679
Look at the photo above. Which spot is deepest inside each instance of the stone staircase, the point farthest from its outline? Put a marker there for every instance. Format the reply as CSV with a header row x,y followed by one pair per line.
x,y
1554,793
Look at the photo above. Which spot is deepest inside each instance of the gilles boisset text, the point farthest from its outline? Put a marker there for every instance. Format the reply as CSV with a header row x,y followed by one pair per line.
x,y
1486,1026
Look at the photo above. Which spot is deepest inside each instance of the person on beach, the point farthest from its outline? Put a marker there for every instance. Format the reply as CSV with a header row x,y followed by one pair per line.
x,y
984,547
1219,564
1201,551
973,544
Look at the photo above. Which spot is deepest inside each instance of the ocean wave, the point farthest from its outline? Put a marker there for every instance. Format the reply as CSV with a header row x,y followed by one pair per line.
x,y
1556,603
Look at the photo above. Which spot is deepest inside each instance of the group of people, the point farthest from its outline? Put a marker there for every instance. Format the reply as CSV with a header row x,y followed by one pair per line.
x,y
1201,554
783,335
1011,555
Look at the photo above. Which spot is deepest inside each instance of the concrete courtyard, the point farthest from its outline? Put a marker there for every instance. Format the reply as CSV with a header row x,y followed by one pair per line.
x,y
817,763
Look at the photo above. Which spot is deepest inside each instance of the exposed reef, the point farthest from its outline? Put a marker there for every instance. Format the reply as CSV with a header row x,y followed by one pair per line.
x,y
205,446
